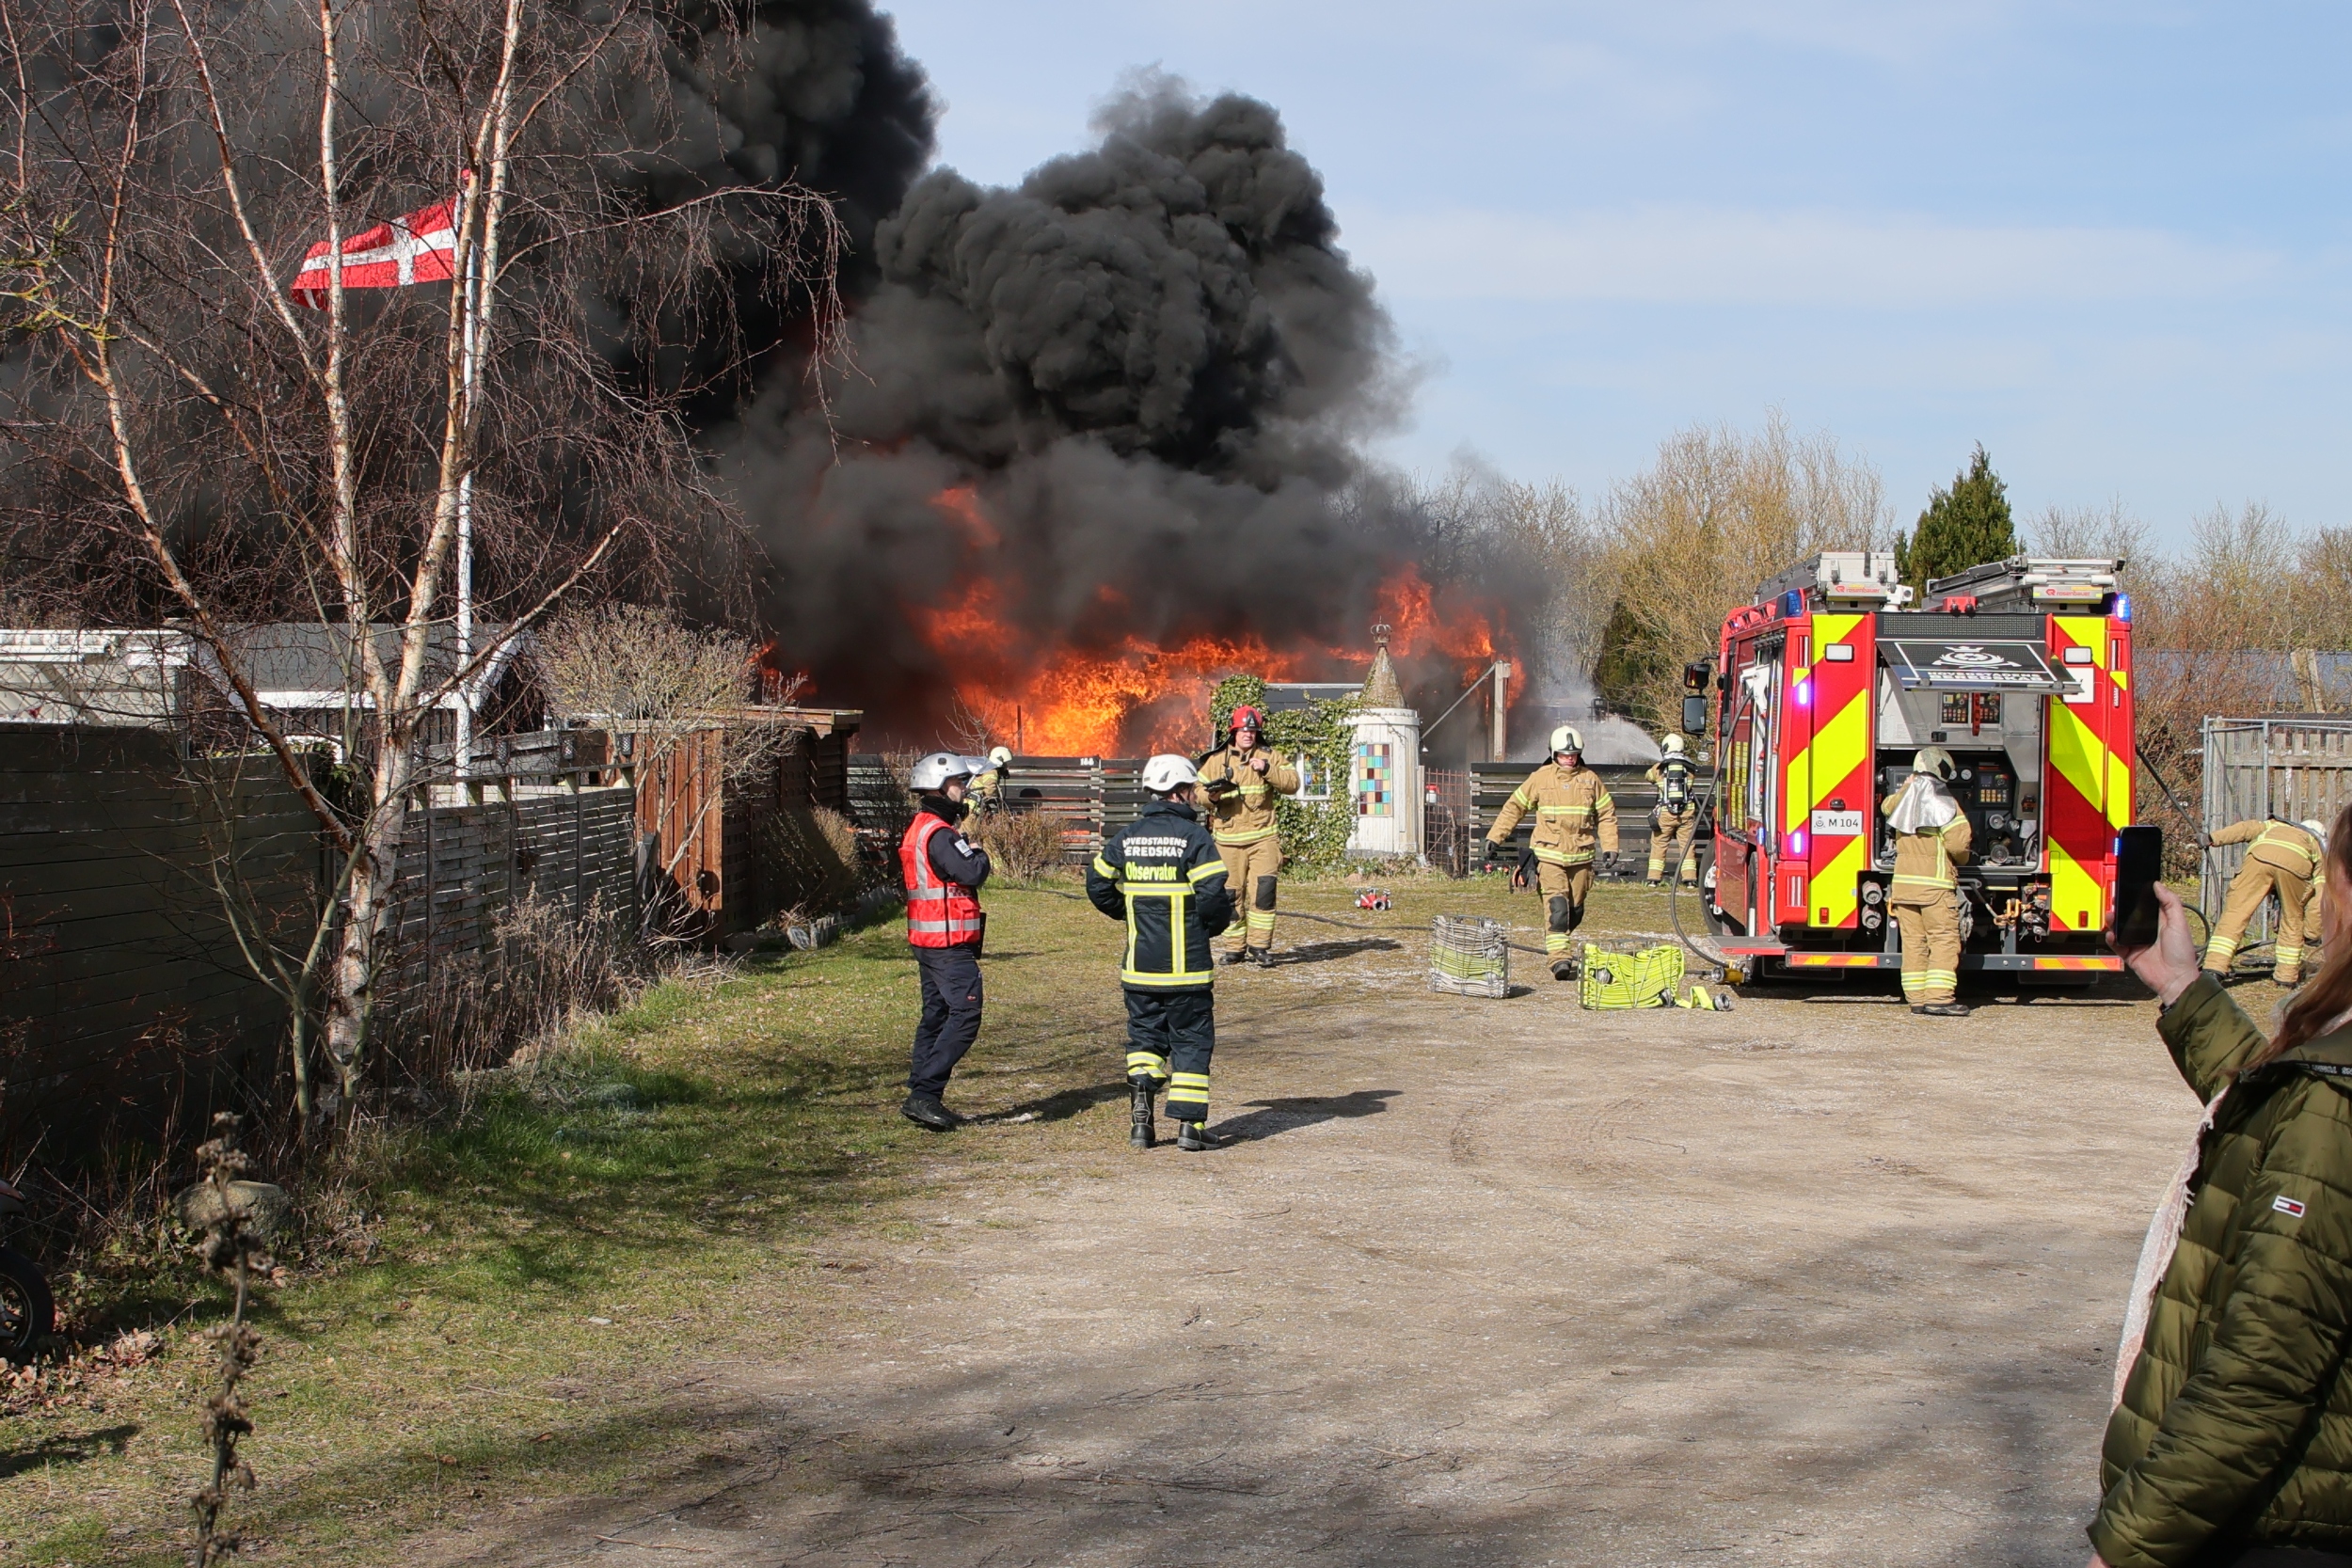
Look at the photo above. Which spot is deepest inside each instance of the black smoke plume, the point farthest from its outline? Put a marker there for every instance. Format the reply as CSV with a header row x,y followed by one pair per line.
x,y
1151,362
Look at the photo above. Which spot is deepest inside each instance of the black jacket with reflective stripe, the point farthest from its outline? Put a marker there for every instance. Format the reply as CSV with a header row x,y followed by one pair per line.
x,y
1163,874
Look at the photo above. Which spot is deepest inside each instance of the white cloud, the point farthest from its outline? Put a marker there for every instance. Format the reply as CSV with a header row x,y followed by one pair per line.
x,y
1726,256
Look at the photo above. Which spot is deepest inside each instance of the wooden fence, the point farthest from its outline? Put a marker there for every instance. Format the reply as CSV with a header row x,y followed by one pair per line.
x,y
1093,796
125,996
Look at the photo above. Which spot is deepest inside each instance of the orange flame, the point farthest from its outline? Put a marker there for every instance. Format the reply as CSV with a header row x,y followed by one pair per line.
x,y
1075,702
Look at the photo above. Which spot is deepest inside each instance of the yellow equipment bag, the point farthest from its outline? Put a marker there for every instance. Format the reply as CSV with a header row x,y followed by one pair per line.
x,y
1647,978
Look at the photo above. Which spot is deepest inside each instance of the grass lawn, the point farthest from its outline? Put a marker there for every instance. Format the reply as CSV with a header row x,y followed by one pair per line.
x,y
556,1264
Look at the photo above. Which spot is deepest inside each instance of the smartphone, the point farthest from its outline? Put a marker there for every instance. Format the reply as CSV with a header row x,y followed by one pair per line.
x,y
2139,867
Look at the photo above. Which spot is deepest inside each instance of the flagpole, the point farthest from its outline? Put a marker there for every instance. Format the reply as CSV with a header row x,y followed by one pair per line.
x,y
465,524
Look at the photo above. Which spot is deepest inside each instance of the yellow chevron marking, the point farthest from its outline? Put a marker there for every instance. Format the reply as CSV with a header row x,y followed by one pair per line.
x,y
2081,759
1838,889
2073,891
1839,748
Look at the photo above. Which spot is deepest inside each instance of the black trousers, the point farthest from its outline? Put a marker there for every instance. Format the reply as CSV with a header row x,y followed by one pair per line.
x,y
951,1015
1170,1036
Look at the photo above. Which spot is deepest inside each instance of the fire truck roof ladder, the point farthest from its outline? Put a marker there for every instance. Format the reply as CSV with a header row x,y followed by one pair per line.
x,y
2030,583
1865,576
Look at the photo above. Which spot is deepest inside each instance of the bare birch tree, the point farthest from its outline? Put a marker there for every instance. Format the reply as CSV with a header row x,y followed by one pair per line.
x,y
190,443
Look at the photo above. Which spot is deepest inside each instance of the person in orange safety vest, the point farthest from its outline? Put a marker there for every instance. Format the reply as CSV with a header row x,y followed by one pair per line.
x,y
943,870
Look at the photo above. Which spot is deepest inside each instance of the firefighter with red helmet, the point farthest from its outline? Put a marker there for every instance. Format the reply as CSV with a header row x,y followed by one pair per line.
x,y
1575,820
943,870
1240,780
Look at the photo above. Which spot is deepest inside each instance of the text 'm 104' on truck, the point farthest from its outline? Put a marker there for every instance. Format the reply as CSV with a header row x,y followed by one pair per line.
x,y
1829,683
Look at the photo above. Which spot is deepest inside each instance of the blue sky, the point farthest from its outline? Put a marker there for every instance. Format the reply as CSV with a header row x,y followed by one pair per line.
x,y
2109,241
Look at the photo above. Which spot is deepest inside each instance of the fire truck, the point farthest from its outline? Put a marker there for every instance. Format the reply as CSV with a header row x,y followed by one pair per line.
x,y
1827,684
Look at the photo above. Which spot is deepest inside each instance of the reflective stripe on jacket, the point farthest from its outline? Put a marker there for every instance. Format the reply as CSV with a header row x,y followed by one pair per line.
x,y
940,914
1924,860
1245,815
1163,874
2291,848
1573,811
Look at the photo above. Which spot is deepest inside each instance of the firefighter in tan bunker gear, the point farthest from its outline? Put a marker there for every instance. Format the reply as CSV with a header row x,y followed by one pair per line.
x,y
2285,858
1676,823
1926,892
1241,779
1573,815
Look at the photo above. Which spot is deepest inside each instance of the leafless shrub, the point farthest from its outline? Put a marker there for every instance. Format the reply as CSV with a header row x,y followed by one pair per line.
x,y
1021,845
809,860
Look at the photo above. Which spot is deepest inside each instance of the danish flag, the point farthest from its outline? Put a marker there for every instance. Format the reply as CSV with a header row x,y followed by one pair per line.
x,y
417,248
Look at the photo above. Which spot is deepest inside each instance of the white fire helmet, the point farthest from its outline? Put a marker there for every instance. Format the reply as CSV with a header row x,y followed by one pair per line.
x,y
1168,771
1671,745
2316,832
1935,760
931,774
1000,757
1564,738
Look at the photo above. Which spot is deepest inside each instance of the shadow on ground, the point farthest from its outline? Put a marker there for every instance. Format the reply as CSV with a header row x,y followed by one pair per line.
x,y
1272,1117
69,1449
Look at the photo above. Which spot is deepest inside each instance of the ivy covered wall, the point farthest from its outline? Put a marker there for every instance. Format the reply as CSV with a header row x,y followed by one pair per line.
x,y
1314,833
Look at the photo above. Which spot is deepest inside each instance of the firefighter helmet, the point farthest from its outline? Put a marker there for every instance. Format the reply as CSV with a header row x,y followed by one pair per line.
x,y
1564,738
1935,760
931,773
1168,771
1671,745
999,755
2316,830
1247,718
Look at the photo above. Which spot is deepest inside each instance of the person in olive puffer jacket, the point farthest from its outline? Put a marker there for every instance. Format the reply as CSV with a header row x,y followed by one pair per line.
x,y
2231,1441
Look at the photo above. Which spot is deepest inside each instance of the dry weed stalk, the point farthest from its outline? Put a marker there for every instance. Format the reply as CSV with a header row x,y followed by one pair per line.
x,y
233,1247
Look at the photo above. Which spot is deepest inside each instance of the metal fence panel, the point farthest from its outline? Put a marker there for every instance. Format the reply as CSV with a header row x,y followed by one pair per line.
x,y
2297,768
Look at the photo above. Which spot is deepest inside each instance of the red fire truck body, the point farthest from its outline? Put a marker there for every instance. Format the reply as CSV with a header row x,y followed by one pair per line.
x,y
1828,684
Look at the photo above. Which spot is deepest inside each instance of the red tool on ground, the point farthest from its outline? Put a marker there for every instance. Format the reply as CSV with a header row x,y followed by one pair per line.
x,y
1374,898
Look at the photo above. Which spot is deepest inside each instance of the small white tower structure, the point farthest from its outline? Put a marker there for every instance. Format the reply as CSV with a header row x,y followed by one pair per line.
x,y
1383,782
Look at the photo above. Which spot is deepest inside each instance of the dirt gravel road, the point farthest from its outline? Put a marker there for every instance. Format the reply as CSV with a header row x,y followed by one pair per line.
x,y
1482,1283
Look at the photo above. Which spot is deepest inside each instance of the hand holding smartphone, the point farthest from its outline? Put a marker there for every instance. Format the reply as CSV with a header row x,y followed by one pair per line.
x,y
2139,867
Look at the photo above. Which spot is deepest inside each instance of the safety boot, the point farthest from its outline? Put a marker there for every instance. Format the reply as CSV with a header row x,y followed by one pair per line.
x,y
1139,1132
1564,968
1262,956
1944,1009
2287,977
1194,1136
1655,881
1234,955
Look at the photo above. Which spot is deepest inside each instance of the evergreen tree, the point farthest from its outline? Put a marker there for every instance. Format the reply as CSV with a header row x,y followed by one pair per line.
x,y
1962,526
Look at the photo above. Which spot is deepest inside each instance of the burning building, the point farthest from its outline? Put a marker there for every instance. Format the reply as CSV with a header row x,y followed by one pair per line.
x,y
1100,445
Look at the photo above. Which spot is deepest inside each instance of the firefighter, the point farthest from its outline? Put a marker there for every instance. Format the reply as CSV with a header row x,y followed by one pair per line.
x,y
1676,823
1164,876
1573,814
943,871
2285,858
987,795
1241,779
1926,892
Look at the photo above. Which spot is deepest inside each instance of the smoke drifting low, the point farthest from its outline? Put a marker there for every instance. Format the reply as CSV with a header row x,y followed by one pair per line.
x,y
1126,394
